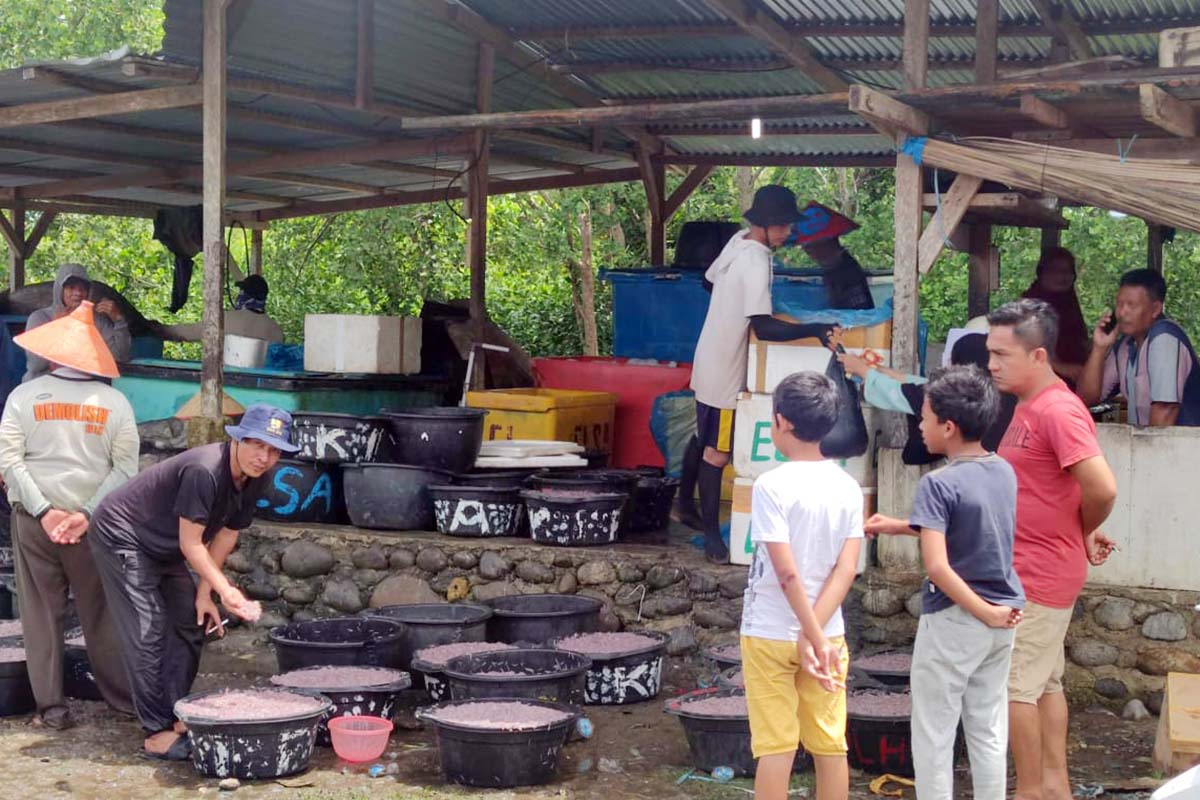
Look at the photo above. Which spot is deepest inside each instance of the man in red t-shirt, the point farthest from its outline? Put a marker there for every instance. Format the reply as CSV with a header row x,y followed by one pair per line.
x,y
1065,490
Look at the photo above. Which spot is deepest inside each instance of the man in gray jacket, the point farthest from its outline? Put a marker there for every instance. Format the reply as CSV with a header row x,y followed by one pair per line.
x,y
71,287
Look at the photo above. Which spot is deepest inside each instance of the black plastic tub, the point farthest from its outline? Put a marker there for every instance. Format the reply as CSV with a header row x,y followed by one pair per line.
x,y
390,496
632,675
477,511
79,681
341,438
496,479
339,642
535,674
539,618
373,698
427,624
724,655
896,675
303,491
880,744
434,672
253,749
572,518
620,481
720,740
439,438
16,695
650,504
496,758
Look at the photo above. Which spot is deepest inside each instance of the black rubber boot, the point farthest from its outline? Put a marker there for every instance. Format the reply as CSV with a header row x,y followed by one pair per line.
x,y
709,480
685,501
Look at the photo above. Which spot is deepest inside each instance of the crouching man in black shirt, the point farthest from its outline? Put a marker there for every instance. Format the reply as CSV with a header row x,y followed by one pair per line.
x,y
183,512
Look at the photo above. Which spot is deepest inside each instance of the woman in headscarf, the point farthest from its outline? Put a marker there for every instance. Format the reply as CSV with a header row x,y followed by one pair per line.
x,y
1055,284
894,391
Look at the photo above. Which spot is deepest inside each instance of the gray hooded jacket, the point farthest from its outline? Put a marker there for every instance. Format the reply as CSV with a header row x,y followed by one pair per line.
x,y
116,335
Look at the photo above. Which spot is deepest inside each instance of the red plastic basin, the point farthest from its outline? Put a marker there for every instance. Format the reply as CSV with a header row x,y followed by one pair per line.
x,y
636,387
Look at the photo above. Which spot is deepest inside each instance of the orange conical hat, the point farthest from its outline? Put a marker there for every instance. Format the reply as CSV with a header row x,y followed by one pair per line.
x,y
72,341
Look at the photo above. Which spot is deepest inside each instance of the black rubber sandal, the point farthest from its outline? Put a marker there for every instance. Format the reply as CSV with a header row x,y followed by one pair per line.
x,y
180,750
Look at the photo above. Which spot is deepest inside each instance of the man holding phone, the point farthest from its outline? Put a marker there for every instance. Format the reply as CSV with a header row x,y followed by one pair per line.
x,y
1146,357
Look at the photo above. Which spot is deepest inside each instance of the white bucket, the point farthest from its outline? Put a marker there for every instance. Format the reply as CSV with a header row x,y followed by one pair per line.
x,y
245,351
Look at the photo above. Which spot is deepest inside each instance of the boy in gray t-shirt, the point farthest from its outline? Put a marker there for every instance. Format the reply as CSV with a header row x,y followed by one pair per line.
x,y
965,515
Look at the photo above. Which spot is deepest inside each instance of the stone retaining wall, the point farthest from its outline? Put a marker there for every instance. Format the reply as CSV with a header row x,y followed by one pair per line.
x,y
307,572
1121,644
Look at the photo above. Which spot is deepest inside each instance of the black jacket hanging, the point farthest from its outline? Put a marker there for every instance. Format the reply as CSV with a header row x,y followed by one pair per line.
x,y
181,230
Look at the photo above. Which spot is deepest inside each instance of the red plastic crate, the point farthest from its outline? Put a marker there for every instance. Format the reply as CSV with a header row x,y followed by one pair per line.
x,y
636,386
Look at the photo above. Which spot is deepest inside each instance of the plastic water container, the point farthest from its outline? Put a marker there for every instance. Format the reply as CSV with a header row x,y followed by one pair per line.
x,y
359,739
245,351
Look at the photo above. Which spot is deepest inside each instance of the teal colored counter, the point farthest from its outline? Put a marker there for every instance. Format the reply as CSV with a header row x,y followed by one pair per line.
x,y
157,388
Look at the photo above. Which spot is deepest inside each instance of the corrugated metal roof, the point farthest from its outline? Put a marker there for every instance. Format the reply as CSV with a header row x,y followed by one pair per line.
x,y
425,63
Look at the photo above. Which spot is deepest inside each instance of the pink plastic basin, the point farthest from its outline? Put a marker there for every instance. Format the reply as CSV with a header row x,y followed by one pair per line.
x,y
358,739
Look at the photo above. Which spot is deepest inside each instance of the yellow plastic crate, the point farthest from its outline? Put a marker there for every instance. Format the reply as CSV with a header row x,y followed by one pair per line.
x,y
560,415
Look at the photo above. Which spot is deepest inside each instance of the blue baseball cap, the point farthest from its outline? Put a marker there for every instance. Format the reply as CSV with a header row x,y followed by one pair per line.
x,y
266,424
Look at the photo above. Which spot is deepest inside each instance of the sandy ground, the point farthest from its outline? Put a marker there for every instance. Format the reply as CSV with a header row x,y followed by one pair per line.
x,y
636,752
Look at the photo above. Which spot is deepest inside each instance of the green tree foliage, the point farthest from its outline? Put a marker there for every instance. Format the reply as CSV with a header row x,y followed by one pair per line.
x,y
390,260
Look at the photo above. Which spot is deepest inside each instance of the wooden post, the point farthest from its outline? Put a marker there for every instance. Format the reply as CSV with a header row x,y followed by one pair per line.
x,y
256,242
908,217
658,218
987,26
1154,247
477,200
213,326
1050,238
16,249
979,277
364,74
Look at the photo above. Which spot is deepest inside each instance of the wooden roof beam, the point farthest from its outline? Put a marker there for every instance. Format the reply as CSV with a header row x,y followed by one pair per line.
x,y
684,190
750,17
588,178
849,30
353,155
103,106
1166,111
1057,19
1043,113
889,116
502,157
945,220
733,160
743,130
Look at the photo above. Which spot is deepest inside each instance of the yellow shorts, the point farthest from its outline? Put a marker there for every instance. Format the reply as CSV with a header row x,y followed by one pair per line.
x,y
1038,660
788,708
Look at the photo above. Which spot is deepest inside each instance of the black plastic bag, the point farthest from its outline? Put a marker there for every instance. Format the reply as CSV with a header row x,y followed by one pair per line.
x,y
849,435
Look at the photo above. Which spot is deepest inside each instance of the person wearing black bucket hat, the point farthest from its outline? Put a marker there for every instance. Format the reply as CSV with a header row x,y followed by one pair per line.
x,y
183,512
741,299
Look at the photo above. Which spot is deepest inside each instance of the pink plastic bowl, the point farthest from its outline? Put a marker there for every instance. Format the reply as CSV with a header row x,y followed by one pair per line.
x,y
359,739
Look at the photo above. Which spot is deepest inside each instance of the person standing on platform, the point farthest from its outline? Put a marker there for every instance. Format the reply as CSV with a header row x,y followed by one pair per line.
x,y
67,439
183,512
741,300
71,287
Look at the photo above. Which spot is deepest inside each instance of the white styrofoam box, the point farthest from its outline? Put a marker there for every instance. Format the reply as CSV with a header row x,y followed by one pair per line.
x,y
754,453
741,549
348,343
770,362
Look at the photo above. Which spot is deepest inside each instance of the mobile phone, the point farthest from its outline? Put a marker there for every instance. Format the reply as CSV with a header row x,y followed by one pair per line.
x,y
1112,321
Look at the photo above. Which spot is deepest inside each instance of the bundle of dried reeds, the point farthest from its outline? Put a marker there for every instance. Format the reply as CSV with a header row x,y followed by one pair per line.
x,y
1166,192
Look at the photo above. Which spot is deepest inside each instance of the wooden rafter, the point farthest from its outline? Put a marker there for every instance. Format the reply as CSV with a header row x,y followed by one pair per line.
x,y
45,220
1057,19
987,25
317,158
473,24
768,129
308,209
1160,108
106,105
15,243
849,30
754,20
1043,113
886,114
851,160
709,64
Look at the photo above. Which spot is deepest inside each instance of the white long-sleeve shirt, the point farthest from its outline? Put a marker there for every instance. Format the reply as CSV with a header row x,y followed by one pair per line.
x,y
66,440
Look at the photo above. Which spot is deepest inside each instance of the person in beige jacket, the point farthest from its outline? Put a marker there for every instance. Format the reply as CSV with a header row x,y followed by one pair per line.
x,y
67,438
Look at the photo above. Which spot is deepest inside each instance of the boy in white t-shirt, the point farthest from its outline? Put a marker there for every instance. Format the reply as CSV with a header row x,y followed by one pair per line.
x,y
806,520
